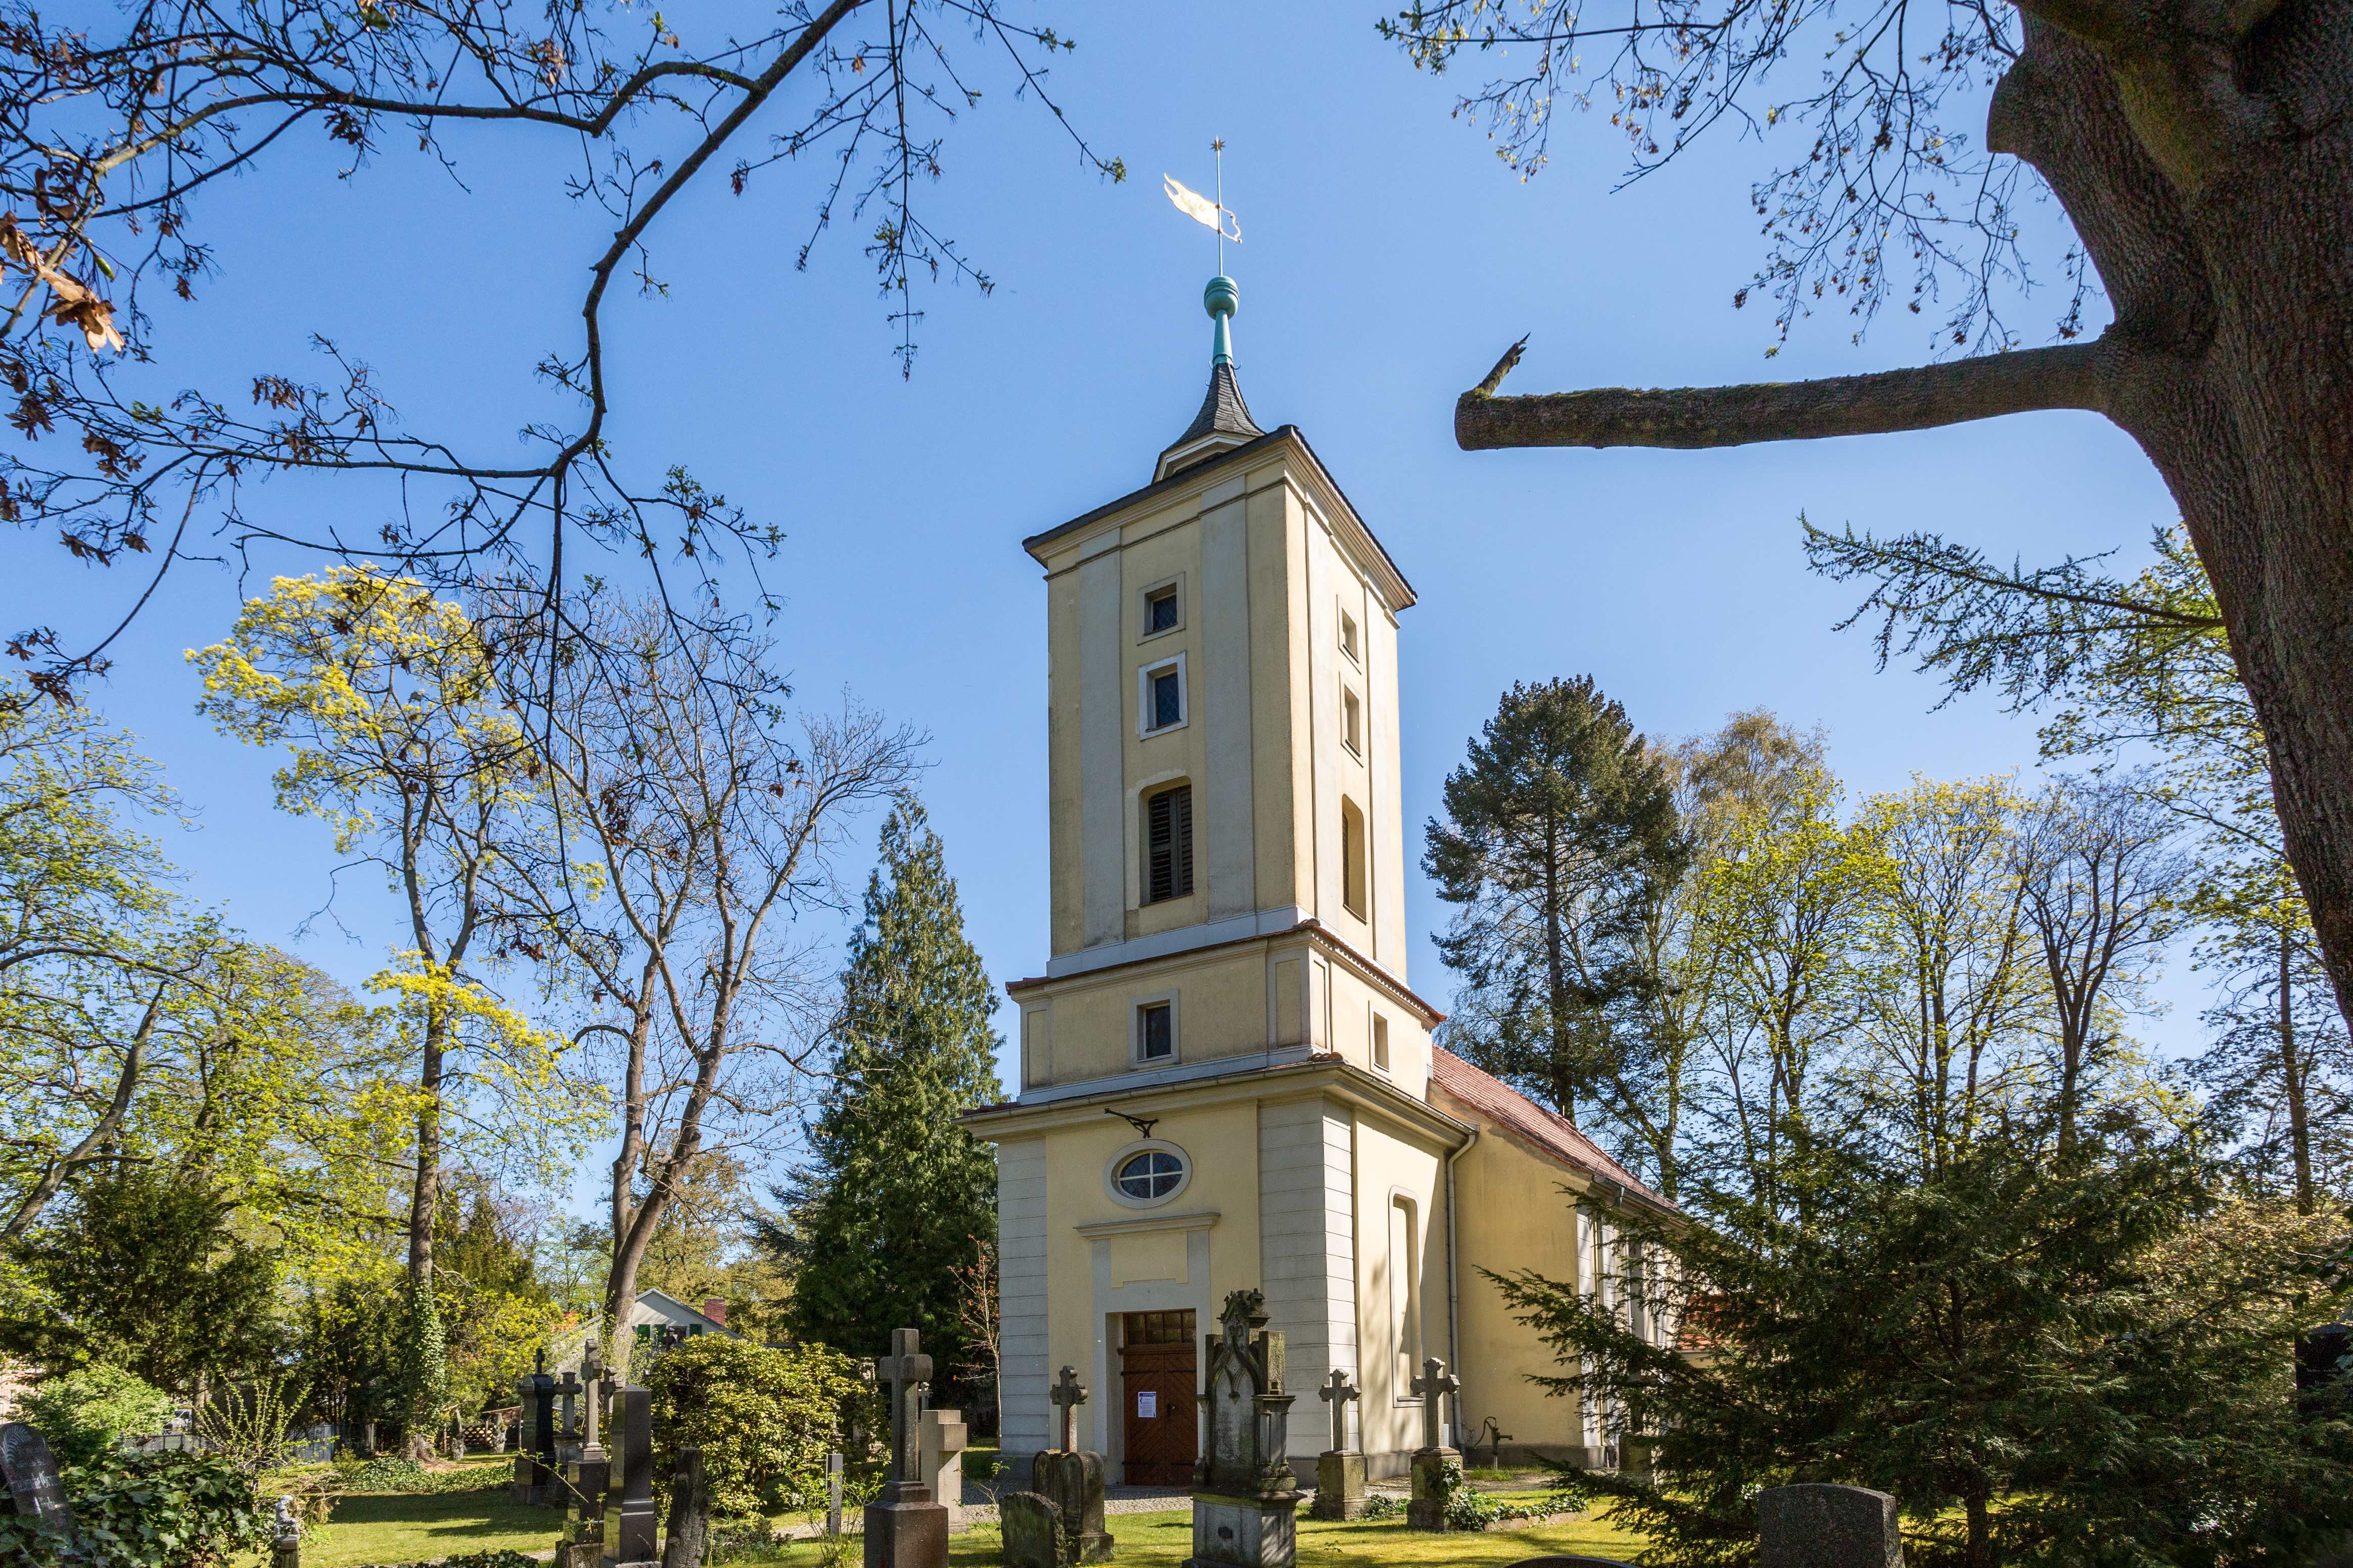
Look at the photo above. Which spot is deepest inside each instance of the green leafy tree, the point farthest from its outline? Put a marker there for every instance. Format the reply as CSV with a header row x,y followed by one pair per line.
x,y
90,1410
764,1416
1560,833
2070,1357
898,1199
145,1272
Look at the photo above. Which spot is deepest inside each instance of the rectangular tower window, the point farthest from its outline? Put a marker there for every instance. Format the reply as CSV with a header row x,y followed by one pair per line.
x,y
1168,845
1352,725
1348,634
1381,1042
1160,611
1160,696
1156,1031
1405,1295
1352,858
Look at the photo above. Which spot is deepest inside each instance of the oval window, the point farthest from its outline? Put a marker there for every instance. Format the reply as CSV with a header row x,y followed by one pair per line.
x,y
1154,1173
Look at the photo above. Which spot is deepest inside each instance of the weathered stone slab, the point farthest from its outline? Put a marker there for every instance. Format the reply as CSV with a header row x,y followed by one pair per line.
x,y
32,1474
1032,1528
1818,1526
1340,1488
1074,1483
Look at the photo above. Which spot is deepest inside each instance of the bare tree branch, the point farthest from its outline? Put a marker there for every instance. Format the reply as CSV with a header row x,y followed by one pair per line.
x,y
2072,375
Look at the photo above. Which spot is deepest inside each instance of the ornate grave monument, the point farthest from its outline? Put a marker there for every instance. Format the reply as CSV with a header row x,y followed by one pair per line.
x,y
1340,1473
1073,1479
904,1528
1245,1498
1437,1468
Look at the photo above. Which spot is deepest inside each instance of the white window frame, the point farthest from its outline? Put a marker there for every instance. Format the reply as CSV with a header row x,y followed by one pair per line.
x,y
1143,597
1355,743
1354,647
1379,1046
1135,1006
1143,674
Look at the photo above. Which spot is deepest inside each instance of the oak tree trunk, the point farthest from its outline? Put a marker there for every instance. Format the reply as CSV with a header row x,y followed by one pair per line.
x,y
2203,149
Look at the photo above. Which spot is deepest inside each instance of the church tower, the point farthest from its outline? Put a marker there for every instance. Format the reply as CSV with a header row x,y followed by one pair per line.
x,y
1223,1075
1225,1082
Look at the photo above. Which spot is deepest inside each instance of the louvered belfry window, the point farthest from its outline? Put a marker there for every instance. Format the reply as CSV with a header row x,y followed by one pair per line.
x,y
1168,845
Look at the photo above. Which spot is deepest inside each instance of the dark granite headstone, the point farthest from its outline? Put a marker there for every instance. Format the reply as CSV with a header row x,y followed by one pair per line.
x,y
32,1475
1034,1537
633,1530
1818,1526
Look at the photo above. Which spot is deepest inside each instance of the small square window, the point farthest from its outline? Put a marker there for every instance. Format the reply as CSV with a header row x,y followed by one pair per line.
x,y
1160,611
1348,634
1167,698
1156,1031
1351,722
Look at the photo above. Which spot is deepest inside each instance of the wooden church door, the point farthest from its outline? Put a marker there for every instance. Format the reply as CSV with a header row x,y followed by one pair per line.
x,y
1157,1376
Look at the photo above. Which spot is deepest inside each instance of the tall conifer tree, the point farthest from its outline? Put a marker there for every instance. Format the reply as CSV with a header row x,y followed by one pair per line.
x,y
891,1214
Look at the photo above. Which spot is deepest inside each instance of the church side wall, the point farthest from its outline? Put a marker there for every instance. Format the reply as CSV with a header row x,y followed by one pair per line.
x,y
1307,1240
1274,767
1021,1295
1511,1214
1400,1244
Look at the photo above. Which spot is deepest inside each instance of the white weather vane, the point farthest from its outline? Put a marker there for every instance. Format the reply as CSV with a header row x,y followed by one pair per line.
x,y
1201,209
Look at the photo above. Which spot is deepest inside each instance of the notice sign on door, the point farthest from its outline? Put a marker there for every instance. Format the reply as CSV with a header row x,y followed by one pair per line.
x,y
1147,1404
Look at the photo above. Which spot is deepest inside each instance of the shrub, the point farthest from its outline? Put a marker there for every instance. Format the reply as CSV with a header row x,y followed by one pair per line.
x,y
148,1510
762,1417
392,1475
92,1408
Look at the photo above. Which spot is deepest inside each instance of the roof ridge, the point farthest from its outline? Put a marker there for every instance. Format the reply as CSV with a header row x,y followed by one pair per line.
x,y
1579,1148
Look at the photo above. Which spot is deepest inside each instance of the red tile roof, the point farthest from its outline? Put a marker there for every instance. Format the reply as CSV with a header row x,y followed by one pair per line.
x,y
1549,1132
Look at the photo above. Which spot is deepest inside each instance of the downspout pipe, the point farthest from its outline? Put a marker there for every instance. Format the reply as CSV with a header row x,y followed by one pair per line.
x,y
1454,1285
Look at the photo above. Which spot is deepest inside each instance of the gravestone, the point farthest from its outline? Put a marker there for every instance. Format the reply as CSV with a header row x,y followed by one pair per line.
x,y
904,1528
32,1475
1034,1537
942,1446
1437,1468
1073,1477
568,1429
1245,1499
690,1513
1340,1475
1817,1526
286,1540
535,1477
587,1480
833,1493
630,1512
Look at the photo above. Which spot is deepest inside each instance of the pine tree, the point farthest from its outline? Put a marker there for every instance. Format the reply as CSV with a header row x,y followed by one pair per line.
x,y
898,1202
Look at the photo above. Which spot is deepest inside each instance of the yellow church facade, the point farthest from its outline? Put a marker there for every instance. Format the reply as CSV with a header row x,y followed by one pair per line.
x,y
1225,1081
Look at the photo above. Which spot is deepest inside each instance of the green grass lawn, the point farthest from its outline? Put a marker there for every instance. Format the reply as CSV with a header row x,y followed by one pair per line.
x,y
414,1527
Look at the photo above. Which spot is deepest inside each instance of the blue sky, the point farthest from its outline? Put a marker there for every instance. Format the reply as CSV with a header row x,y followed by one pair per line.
x,y
1389,259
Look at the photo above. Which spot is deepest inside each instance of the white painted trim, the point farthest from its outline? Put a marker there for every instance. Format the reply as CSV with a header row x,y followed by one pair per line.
x,y
1191,1219
1184,939
1129,1082
1143,597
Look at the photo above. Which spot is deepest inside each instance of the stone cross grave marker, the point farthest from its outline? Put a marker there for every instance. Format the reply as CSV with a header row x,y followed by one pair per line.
x,y
592,1371
1068,1394
32,1476
904,1528
1435,1385
906,1369
1340,1471
1337,1392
